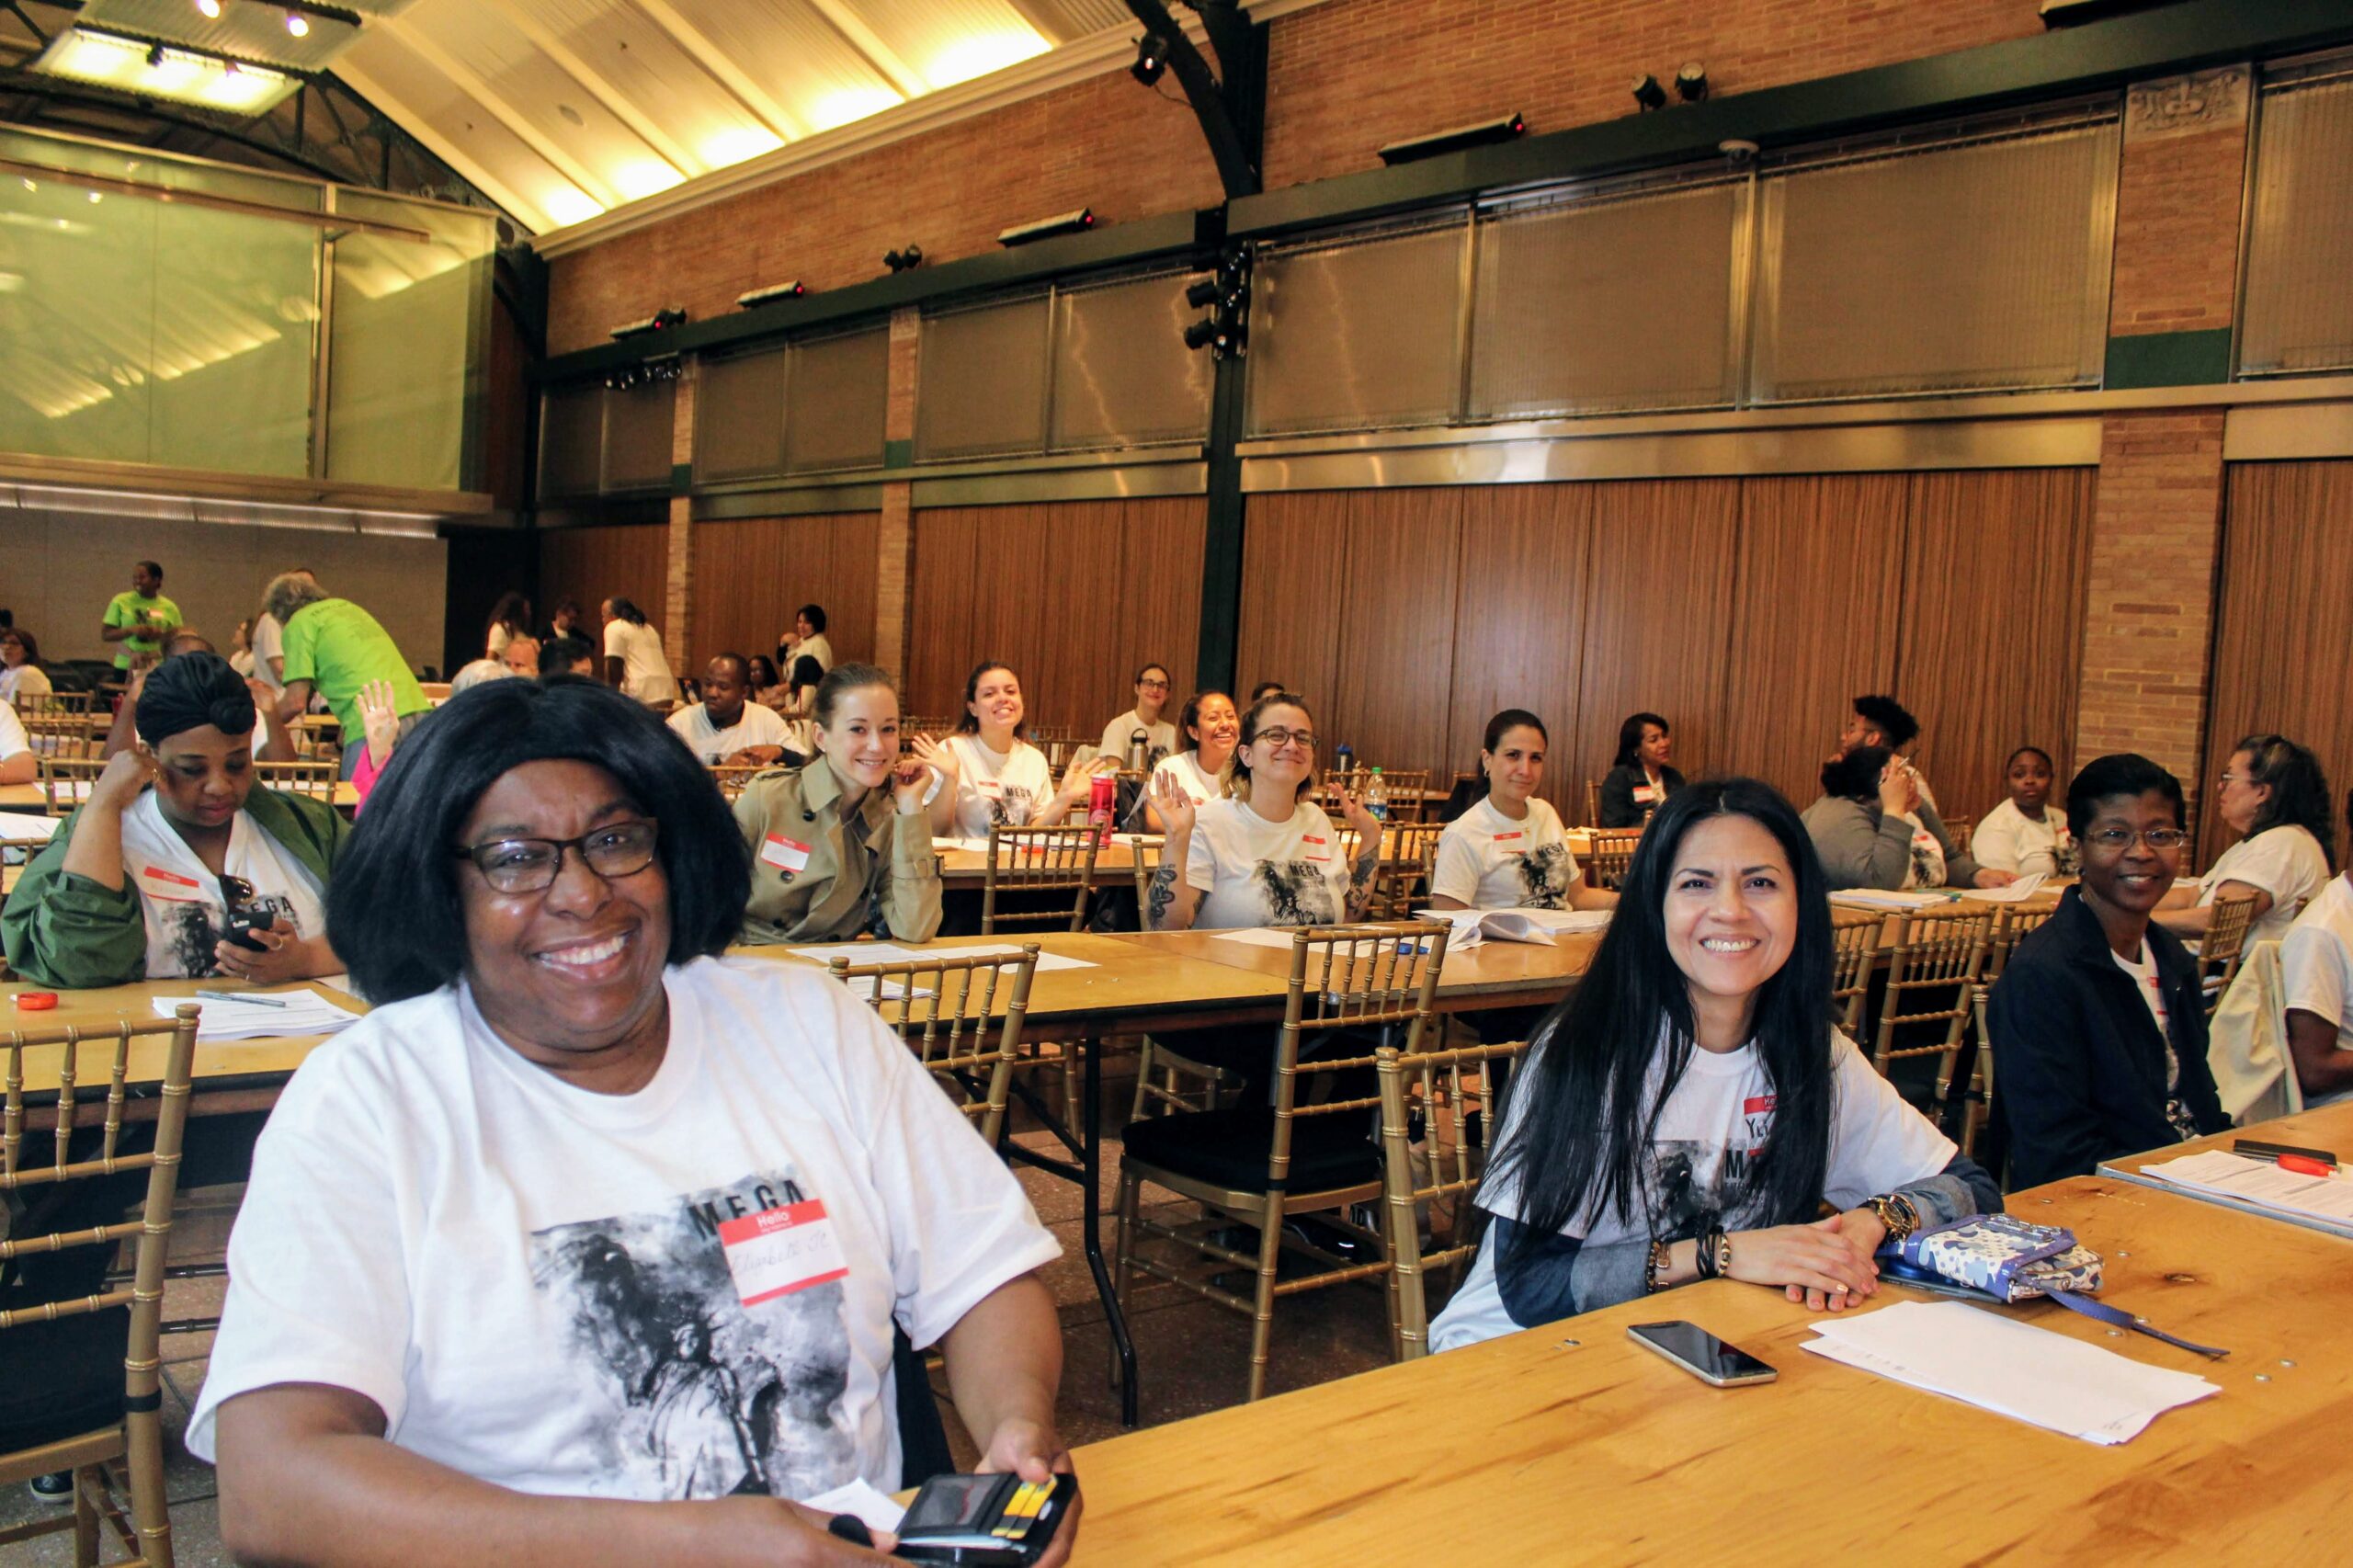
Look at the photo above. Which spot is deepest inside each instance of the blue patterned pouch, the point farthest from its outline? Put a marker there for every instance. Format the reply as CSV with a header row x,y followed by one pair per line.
x,y
2008,1259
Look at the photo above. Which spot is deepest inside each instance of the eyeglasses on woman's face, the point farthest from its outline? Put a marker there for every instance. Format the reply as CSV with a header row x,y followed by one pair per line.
x,y
2116,840
531,865
1275,737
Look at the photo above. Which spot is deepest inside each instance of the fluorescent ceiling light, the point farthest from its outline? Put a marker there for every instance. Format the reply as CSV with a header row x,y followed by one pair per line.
x,y
159,71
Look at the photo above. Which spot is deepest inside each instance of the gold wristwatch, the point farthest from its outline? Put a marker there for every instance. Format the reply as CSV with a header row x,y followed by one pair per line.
x,y
1896,1213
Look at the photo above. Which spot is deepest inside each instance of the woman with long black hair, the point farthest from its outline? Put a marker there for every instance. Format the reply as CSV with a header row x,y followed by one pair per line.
x,y
1690,1106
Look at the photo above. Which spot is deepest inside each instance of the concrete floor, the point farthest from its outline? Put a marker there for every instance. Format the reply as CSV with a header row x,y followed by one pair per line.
x,y
1194,1355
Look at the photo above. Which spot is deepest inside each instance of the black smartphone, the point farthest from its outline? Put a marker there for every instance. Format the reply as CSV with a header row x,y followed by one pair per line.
x,y
1701,1354
243,923
985,1521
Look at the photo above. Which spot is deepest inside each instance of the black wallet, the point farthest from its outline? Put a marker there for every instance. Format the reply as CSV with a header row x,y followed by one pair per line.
x,y
985,1521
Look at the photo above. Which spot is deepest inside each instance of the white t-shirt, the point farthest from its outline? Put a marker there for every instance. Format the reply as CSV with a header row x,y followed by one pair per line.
x,y
1489,861
1005,787
2316,958
14,741
532,1280
269,642
1713,1123
1251,871
2150,985
1198,784
755,726
1160,739
815,647
2286,861
180,899
2008,840
645,669
23,680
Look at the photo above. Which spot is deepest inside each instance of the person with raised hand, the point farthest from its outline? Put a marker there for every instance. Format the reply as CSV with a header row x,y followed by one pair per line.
x,y
1690,1107
989,774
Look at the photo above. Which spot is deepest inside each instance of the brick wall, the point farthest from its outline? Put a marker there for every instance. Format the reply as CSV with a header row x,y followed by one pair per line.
x,y
1344,79
2178,204
1106,143
678,602
2149,621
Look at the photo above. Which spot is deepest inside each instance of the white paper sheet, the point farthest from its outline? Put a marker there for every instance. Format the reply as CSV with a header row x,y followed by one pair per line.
x,y
2011,1368
1472,927
2010,893
2261,1182
304,1013
1873,898
1258,936
17,828
879,1512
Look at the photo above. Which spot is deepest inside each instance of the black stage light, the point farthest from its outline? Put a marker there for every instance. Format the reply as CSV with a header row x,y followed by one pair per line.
x,y
901,260
1202,291
1648,93
1691,82
1201,333
1152,59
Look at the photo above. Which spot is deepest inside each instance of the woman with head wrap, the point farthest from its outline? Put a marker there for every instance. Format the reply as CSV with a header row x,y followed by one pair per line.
x,y
200,874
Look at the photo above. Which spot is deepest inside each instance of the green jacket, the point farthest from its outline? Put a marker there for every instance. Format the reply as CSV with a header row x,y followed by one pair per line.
x,y
63,929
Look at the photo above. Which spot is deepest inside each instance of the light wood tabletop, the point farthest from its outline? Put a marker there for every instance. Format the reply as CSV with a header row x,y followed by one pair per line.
x,y
1570,1442
1493,973
1114,867
28,797
2328,1127
263,1062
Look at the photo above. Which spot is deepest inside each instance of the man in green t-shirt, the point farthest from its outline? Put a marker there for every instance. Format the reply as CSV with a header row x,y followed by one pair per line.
x,y
334,647
141,619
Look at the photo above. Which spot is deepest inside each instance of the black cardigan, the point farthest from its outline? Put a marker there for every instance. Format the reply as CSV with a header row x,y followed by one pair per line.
x,y
1619,807
2080,1070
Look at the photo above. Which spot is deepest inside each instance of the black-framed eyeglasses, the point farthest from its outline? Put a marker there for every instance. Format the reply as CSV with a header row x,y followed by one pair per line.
x,y
2117,839
1276,736
530,864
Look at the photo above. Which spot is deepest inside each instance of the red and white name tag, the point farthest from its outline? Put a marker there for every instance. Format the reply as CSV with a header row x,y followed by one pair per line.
x,y
1315,848
157,882
1508,842
783,853
989,790
779,1251
1644,792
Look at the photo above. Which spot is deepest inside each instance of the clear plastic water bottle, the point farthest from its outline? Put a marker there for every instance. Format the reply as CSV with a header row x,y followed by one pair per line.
x,y
1376,796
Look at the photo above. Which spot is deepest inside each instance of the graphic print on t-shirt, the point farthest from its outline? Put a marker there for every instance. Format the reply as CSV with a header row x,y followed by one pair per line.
x,y
710,1397
1542,880
1296,892
1695,1184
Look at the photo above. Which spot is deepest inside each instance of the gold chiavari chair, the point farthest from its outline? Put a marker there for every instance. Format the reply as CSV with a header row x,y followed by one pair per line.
x,y
1612,856
1854,943
1261,1165
64,783
60,723
315,779
2011,926
135,1440
1981,1080
1407,790
1154,1056
1026,861
2010,929
1401,878
730,777
1936,956
1455,1094
1959,829
943,1008
2223,947
1592,804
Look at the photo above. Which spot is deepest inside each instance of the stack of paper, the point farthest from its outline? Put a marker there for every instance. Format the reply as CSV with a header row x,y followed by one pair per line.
x,y
1874,898
2010,893
16,828
1472,927
269,1014
2011,1368
2261,1185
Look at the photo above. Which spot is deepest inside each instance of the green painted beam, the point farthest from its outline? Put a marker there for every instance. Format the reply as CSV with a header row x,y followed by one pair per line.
x,y
1172,236
2168,359
2098,56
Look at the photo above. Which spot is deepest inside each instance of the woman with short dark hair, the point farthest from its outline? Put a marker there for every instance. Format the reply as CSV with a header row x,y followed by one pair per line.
x,y
1640,777
2025,834
584,1219
2274,795
2098,1019
1690,1107
201,874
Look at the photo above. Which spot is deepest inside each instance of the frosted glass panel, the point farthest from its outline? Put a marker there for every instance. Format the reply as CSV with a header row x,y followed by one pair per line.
x,y
739,418
571,441
982,381
1123,374
839,403
77,319
1360,336
406,356
637,436
236,311
2300,245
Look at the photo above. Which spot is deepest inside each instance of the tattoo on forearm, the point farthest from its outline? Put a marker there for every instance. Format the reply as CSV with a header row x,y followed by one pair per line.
x,y
1360,883
1163,895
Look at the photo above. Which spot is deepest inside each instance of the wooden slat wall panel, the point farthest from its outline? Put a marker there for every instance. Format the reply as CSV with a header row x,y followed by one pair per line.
x,y
1818,552
1396,643
1072,595
1518,619
2285,620
751,576
1658,604
1990,631
1294,558
631,561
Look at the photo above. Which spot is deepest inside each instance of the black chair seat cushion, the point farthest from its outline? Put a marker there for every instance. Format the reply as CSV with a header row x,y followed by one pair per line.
x,y
1228,1148
61,1379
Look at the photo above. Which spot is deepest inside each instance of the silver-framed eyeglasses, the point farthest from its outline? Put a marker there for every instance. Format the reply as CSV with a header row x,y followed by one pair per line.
x,y
531,865
2117,839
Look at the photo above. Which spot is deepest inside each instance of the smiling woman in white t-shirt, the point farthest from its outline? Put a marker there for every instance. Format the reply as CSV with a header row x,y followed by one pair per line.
x,y
1202,765
586,1220
1691,1106
1507,851
2275,796
988,774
